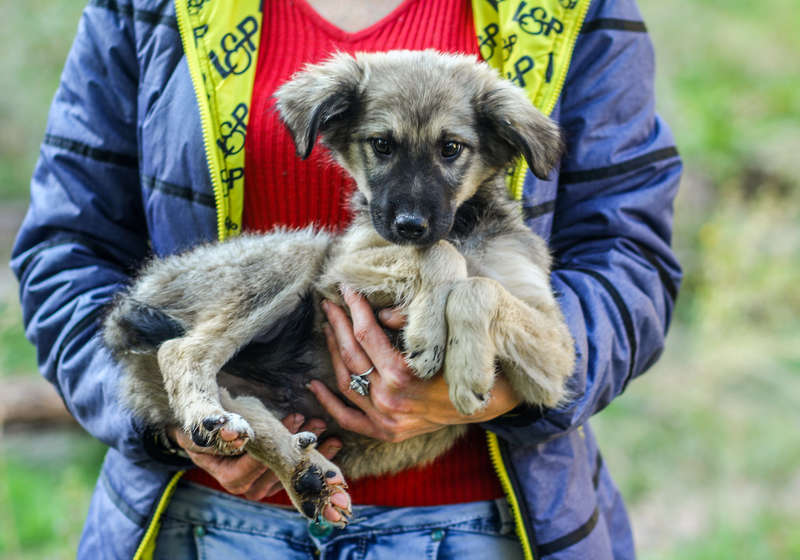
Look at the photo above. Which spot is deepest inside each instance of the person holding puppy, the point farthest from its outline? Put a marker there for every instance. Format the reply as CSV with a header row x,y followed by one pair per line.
x,y
123,171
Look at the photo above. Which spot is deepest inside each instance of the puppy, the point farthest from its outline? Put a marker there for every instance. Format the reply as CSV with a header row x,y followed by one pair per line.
x,y
227,335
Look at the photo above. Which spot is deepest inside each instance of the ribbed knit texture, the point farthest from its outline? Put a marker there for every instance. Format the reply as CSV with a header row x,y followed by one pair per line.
x,y
280,189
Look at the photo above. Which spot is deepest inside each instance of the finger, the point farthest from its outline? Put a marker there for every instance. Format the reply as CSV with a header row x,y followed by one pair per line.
x,y
330,447
367,332
347,417
353,355
392,318
234,474
342,371
293,422
264,486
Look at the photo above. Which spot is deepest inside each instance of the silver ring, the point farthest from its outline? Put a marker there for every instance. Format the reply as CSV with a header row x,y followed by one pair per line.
x,y
359,382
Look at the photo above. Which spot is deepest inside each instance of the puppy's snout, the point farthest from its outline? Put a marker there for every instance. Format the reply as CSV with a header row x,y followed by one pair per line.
x,y
410,226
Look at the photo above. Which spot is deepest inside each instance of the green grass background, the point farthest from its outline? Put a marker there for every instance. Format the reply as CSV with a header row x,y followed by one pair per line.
x,y
705,446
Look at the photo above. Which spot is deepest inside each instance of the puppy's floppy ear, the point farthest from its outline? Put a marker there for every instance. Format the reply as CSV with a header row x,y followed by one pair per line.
x,y
519,127
318,98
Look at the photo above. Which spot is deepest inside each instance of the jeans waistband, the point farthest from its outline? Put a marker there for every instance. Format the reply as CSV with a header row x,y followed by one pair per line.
x,y
199,505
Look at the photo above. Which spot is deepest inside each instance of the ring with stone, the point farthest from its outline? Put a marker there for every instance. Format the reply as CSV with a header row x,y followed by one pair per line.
x,y
359,382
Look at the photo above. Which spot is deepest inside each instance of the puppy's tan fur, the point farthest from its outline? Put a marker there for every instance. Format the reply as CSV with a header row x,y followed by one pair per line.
x,y
474,283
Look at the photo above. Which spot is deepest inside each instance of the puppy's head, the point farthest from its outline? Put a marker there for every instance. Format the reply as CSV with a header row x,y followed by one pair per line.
x,y
419,131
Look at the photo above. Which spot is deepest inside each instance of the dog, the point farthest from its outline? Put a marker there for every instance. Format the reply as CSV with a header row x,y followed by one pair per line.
x,y
227,335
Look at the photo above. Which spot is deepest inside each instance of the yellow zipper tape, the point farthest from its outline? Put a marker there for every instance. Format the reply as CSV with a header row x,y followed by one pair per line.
x,y
221,41
148,544
505,481
530,43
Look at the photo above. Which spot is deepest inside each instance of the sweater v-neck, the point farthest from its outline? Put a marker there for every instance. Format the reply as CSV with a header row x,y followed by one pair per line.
x,y
340,34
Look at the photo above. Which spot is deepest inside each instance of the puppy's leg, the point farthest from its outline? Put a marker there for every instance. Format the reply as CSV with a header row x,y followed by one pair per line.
x,y
532,344
425,334
189,366
470,356
309,478
535,349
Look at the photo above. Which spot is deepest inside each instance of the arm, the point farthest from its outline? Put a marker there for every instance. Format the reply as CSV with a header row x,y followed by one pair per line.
x,y
85,229
616,274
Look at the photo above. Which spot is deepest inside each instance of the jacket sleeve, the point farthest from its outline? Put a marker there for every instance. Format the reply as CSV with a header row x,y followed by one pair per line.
x,y
85,231
615,275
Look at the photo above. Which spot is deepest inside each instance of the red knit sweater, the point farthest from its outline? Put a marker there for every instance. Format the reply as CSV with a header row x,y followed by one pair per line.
x,y
283,190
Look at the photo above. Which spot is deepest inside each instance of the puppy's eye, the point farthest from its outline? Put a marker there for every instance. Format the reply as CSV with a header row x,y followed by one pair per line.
x,y
451,149
381,146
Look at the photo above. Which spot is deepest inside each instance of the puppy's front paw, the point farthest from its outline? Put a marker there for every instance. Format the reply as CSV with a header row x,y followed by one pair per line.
x,y
472,396
425,357
425,336
209,432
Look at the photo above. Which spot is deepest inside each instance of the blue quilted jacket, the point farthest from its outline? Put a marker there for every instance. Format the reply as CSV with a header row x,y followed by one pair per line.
x,y
122,174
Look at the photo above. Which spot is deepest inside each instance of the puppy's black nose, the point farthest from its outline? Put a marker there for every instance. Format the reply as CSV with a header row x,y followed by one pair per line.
x,y
410,226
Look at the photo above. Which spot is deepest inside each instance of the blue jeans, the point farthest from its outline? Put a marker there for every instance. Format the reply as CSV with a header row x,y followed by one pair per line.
x,y
205,524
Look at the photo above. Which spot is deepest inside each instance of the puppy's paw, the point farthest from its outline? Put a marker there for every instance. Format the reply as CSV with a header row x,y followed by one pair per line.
x,y
470,398
425,357
227,433
318,489
305,441
424,338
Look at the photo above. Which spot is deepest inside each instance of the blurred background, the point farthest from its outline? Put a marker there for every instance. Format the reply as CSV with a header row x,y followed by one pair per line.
x,y
705,446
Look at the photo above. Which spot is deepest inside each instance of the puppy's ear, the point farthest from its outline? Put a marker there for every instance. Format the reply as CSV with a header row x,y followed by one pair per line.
x,y
318,99
519,128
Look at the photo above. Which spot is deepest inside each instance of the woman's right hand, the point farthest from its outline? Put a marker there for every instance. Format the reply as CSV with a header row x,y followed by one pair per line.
x,y
242,474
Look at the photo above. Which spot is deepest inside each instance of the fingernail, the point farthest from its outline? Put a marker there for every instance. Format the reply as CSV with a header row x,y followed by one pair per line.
x,y
346,290
325,304
384,315
298,421
310,386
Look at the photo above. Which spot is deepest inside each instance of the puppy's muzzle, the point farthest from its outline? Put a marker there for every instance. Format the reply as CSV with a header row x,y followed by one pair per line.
x,y
410,227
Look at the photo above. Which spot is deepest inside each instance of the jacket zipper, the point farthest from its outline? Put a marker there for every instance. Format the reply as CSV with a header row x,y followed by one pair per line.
x,y
524,533
193,60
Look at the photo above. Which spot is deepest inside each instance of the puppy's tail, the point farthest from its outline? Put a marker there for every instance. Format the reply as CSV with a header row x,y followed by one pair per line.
x,y
133,326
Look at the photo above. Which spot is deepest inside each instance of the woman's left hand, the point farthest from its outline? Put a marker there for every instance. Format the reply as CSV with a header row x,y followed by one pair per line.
x,y
399,405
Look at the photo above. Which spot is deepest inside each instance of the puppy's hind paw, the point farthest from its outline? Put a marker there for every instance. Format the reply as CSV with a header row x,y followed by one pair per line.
x,y
305,440
321,494
227,433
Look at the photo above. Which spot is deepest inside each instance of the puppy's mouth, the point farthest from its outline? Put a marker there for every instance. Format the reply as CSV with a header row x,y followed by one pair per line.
x,y
409,227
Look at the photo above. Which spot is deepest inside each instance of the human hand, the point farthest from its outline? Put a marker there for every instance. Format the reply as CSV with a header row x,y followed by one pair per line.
x,y
245,476
399,404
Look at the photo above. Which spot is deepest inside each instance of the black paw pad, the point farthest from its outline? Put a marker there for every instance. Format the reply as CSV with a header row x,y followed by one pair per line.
x,y
310,482
330,474
309,509
199,438
480,396
213,422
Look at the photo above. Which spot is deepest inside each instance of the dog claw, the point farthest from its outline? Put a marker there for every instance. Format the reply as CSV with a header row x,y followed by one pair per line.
x,y
200,439
206,432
